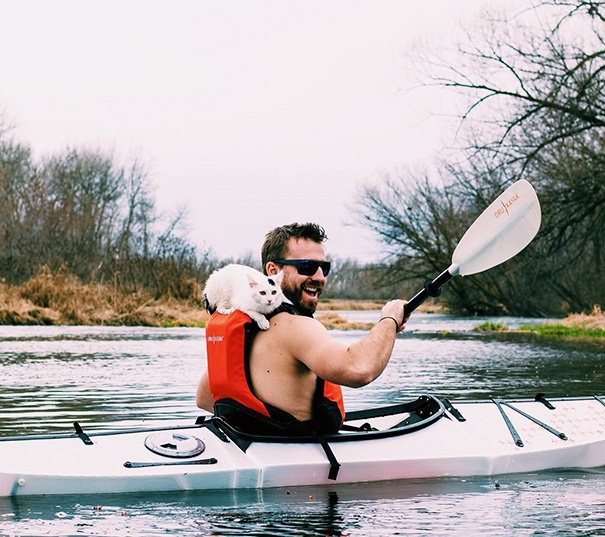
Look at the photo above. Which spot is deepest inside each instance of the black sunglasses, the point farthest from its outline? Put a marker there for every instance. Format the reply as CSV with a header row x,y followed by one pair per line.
x,y
306,267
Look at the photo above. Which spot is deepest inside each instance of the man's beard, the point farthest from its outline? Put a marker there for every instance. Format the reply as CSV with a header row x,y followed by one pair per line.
x,y
296,297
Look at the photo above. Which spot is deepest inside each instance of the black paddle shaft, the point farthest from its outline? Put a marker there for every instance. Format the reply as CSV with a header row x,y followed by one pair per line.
x,y
431,288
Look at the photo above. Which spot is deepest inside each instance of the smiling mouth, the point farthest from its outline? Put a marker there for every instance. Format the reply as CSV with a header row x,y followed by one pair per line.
x,y
312,291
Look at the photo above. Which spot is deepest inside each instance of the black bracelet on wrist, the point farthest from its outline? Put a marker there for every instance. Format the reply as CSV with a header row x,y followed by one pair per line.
x,y
392,319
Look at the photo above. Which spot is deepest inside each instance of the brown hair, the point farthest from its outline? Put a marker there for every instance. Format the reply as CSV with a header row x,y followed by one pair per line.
x,y
275,245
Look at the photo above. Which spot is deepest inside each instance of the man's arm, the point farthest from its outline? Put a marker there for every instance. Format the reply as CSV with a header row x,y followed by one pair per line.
x,y
354,365
203,397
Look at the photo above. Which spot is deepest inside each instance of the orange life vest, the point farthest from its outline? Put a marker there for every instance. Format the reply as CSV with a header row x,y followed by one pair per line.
x,y
228,342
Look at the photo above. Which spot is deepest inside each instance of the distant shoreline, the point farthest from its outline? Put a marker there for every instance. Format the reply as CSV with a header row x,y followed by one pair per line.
x,y
56,299
69,302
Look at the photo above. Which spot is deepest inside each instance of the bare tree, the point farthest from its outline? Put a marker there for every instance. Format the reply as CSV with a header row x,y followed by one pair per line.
x,y
533,83
81,192
81,213
15,173
420,221
530,79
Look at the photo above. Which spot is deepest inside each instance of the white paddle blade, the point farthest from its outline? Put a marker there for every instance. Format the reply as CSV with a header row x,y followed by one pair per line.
x,y
505,228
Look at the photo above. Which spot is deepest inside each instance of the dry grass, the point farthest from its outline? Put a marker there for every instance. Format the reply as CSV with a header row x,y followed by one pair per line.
x,y
331,304
61,299
335,321
595,320
58,298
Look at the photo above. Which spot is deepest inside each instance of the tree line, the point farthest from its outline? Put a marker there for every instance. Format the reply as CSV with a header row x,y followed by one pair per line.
x,y
82,213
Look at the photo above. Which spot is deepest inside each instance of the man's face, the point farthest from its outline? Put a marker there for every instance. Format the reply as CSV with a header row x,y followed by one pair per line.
x,y
303,291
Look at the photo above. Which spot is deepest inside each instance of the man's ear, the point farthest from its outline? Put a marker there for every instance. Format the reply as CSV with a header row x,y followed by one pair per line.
x,y
272,268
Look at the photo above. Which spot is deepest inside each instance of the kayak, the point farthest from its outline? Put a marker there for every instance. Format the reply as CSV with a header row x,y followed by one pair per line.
x,y
425,437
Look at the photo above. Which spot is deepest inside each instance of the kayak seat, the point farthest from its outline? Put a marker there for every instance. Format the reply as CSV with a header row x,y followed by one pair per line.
x,y
281,425
416,414
248,421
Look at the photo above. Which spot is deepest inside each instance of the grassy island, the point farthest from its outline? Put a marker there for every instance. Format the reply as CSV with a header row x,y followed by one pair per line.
x,y
578,325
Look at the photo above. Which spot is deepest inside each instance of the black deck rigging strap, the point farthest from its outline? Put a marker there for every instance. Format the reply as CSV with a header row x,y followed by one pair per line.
x,y
541,398
452,410
334,464
83,436
500,403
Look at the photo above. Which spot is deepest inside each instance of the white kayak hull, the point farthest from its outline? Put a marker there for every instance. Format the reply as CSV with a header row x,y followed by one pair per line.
x,y
570,435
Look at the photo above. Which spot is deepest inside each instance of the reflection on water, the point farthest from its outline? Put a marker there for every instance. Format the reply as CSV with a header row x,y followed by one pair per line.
x,y
119,377
563,503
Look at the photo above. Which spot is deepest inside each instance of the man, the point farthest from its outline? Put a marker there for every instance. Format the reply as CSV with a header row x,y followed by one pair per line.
x,y
296,368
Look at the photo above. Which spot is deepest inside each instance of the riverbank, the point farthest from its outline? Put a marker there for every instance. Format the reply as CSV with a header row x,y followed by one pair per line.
x,y
60,299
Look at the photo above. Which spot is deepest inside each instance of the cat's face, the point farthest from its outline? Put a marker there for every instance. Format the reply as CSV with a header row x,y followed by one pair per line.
x,y
266,292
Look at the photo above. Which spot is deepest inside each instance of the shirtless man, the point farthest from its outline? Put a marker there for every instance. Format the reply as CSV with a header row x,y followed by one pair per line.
x,y
287,359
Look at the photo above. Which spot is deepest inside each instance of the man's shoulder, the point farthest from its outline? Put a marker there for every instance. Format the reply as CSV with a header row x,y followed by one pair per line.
x,y
289,309
292,330
285,318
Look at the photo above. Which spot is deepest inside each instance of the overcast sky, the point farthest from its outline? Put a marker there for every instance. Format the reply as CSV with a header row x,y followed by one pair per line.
x,y
251,113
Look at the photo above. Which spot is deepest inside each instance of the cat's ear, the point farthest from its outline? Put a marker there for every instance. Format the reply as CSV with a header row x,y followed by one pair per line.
x,y
251,281
277,278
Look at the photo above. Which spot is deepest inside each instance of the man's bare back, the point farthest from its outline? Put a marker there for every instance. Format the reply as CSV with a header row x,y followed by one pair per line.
x,y
278,377
287,359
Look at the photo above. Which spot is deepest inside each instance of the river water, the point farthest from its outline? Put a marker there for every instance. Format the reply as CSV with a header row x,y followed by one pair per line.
x,y
121,377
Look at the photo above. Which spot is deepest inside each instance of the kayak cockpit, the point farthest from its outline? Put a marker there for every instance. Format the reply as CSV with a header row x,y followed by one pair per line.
x,y
371,424
382,422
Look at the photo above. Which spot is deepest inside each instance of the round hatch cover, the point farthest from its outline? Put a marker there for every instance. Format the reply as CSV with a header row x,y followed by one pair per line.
x,y
172,444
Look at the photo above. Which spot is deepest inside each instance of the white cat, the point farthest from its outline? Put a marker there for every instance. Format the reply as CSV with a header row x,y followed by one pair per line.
x,y
239,287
